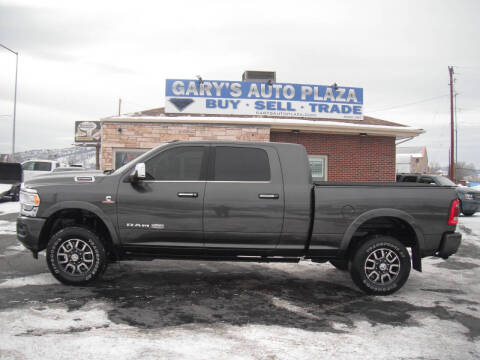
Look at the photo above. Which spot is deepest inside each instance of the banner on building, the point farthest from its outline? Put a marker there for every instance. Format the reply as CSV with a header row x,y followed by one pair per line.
x,y
87,131
263,99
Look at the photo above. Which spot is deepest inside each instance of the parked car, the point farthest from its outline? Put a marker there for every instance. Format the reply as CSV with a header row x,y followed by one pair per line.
x,y
32,168
239,202
469,197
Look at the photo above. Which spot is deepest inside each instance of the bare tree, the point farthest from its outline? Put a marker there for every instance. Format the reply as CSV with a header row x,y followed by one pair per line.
x,y
464,171
434,167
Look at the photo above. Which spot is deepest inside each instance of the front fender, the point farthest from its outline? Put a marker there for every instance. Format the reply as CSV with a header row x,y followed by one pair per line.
x,y
88,207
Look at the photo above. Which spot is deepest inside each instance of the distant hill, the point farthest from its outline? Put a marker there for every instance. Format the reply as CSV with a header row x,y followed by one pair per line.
x,y
66,156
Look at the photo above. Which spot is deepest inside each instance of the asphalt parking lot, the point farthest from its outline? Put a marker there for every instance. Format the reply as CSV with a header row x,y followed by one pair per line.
x,y
218,310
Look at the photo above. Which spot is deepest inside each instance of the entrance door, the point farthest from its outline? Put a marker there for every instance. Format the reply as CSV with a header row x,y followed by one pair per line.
x,y
244,200
165,209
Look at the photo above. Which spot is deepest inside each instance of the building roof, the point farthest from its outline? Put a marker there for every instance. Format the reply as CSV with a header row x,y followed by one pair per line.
x,y
369,125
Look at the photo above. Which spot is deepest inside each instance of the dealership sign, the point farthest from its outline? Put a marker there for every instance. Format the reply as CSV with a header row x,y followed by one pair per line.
x,y
264,99
87,131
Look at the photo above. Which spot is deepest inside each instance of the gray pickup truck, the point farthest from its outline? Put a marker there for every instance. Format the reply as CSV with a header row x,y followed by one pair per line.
x,y
235,201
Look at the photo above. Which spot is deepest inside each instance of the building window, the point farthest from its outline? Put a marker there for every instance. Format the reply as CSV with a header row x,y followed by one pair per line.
x,y
318,164
123,156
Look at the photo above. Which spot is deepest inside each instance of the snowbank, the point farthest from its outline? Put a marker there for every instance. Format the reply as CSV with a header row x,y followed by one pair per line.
x,y
9,207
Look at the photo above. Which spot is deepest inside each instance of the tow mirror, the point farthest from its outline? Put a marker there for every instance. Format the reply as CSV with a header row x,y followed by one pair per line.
x,y
11,173
138,173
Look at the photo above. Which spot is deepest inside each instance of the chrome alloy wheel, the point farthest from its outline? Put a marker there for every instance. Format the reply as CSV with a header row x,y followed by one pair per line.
x,y
382,266
75,257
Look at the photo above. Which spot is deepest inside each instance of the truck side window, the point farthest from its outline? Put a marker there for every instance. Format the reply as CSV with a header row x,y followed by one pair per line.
x,y
426,180
28,165
42,166
180,163
241,164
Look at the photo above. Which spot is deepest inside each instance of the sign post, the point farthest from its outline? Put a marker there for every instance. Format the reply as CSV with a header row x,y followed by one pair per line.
x,y
88,133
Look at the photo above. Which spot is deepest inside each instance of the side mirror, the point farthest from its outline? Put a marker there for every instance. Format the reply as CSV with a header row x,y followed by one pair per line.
x,y
138,173
11,173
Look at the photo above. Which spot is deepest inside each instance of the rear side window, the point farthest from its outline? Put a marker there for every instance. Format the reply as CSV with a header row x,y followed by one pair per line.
x,y
410,179
241,164
427,180
180,163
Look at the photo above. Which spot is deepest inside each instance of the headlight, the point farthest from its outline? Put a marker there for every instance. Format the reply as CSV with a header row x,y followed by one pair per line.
x,y
468,196
29,201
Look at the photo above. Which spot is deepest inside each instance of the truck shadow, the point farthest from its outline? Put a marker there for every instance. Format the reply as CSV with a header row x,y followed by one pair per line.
x,y
241,294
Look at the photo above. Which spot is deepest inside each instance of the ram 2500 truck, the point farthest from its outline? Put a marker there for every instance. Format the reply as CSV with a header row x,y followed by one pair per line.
x,y
235,201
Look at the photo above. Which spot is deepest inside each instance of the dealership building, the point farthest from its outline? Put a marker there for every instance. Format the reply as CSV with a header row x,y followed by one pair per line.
x,y
342,143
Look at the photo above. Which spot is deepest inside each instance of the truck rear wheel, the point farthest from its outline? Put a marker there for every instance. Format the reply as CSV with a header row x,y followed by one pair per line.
x,y
380,266
76,256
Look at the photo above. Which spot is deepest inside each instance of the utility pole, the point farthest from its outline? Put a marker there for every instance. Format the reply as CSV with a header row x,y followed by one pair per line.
x,y
119,106
456,127
14,99
451,172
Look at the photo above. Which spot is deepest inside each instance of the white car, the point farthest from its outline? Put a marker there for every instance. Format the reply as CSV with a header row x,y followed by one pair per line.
x,y
32,168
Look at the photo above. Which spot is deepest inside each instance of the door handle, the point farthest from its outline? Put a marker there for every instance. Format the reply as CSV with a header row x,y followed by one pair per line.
x,y
187,194
268,196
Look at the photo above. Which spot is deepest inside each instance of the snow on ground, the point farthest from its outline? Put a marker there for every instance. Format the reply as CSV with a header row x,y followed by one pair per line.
x,y
13,250
38,279
7,227
9,207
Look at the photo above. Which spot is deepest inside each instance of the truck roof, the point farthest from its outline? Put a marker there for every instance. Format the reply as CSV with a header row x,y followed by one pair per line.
x,y
226,142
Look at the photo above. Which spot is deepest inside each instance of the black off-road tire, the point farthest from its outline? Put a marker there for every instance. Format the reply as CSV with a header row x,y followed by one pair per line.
x,y
376,275
468,213
340,264
89,261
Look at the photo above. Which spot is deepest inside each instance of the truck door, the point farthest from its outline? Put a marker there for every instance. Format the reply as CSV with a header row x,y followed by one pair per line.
x,y
165,209
244,200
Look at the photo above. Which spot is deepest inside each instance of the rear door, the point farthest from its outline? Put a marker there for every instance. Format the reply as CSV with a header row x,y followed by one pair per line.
x,y
244,199
165,209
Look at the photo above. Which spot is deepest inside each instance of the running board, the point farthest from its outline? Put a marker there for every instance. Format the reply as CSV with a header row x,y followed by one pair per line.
x,y
240,258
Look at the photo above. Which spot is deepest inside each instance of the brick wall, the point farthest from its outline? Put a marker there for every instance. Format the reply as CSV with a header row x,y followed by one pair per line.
x,y
350,157
148,135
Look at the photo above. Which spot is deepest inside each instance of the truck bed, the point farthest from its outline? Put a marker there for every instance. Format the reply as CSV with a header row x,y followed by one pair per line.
x,y
347,209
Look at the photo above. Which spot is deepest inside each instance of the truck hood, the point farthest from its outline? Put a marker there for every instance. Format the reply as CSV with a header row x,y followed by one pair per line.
x,y
74,177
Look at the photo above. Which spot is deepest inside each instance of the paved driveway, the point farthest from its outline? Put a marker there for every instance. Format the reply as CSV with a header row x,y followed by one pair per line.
x,y
219,310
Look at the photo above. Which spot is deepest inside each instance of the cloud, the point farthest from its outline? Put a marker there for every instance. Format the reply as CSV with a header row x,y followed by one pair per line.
x,y
47,33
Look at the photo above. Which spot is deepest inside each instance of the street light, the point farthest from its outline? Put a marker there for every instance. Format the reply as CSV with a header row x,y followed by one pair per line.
x,y
14,99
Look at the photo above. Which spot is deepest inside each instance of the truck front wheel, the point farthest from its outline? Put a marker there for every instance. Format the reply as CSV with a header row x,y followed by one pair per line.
x,y
76,256
380,266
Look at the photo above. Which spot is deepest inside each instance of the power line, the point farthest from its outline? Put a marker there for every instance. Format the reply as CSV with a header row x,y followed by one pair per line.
x,y
410,104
